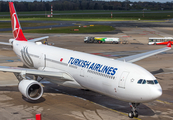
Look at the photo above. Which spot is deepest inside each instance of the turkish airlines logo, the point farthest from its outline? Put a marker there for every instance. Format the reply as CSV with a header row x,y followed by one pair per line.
x,y
15,26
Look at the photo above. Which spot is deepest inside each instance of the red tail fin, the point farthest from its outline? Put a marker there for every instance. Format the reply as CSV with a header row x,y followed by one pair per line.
x,y
169,44
16,28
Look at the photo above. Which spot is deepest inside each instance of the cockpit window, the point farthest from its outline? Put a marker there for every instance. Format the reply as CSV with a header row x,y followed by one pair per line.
x,y
150,82
155,81
143,81
140,81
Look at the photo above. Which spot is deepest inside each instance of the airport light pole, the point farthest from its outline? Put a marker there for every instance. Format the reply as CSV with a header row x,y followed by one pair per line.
x,y
51,10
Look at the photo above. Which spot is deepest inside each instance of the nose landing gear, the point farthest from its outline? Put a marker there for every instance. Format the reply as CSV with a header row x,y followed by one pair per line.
x,y
134,112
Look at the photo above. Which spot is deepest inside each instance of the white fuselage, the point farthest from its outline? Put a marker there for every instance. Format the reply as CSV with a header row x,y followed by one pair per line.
x,y
113,78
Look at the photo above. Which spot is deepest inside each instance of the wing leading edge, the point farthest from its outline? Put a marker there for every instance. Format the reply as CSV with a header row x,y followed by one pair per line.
x,y
137,57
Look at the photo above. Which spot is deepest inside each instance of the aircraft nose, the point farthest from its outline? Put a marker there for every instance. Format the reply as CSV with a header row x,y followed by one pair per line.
x,y
156,93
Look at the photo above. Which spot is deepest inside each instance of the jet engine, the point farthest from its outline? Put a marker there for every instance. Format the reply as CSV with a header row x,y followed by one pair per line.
x,y
31,89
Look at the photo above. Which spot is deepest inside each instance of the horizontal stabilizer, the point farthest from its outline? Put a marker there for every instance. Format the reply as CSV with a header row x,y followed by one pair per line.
x,y
4,43
37,39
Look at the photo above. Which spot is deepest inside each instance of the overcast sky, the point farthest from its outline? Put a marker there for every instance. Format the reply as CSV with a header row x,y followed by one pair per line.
x,y
103,0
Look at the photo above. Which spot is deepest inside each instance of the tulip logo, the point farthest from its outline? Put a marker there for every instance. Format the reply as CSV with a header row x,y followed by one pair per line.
x,y
15,26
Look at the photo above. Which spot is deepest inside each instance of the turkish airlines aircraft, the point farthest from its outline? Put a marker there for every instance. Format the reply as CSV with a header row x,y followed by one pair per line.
x,y
119,79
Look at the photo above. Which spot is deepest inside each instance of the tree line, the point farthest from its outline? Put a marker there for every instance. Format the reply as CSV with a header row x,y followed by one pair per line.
x,y
62,5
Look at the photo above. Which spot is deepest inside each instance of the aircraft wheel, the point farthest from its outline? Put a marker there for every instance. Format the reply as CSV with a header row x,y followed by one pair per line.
x,y
131,115
135,113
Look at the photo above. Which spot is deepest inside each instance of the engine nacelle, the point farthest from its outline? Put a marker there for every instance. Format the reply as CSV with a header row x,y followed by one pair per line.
x,y
31,89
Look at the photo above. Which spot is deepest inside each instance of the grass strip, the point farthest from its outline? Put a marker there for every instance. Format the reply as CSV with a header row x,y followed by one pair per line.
x,y
73,29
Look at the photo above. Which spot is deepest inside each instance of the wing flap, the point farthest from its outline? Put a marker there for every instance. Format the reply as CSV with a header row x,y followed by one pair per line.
x,y
36,72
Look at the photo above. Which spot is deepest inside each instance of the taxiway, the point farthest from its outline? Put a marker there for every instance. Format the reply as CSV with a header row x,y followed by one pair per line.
x,y
66,103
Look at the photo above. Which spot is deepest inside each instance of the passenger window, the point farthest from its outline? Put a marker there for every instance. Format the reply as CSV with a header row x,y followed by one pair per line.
x,y
150,82
140,81
144,82
155,81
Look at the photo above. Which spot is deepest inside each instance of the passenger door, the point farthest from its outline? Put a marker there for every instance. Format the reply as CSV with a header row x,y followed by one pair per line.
x,y
82,72
42,61
122,80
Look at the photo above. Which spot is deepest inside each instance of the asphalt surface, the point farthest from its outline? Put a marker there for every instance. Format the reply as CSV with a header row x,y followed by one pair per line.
x,y
60,102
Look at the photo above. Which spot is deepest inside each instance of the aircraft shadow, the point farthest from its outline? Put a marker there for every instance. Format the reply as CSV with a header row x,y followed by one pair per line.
x,y
157,71
97,98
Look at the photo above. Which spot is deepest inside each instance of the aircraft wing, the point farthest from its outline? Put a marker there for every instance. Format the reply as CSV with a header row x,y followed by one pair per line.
x,y
63,75
37,39
137,57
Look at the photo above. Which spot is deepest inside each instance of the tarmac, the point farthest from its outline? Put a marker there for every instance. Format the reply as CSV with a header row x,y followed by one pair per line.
x,y
127,24
62,103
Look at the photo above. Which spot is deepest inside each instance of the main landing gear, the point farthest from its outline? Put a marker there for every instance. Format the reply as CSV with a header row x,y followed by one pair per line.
x,y
134,112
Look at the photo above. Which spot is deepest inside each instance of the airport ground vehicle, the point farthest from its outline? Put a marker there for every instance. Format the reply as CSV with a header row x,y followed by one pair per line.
x,y
101,40
160,41
117,78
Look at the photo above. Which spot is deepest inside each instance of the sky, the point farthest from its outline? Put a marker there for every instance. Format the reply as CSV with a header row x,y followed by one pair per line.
x,y
162,1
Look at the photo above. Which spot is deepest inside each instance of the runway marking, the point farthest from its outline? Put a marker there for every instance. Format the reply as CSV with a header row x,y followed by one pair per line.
x,y
168,103
124,114
114,110
98,115
103,106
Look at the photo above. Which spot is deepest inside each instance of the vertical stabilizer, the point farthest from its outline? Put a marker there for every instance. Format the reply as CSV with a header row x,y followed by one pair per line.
x,y
169,44
16,28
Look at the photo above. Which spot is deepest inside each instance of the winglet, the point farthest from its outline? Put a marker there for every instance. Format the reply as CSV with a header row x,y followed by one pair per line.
x,y
16,28
169,44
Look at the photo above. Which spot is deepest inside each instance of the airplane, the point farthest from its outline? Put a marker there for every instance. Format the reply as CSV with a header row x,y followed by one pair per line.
x,y
117,78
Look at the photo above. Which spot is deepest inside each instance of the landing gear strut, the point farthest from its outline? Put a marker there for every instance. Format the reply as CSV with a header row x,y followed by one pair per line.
x,y
134,112
38,78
